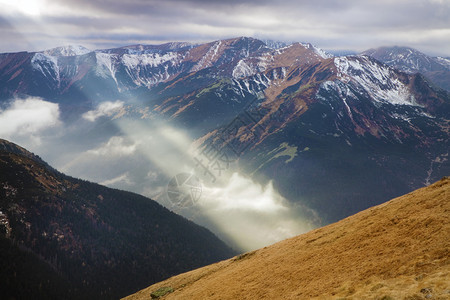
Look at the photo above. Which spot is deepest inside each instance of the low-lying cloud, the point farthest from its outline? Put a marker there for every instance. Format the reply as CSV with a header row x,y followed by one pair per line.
x,y
28,118
241,211
114,162
107,108
116,146
249,215
142,156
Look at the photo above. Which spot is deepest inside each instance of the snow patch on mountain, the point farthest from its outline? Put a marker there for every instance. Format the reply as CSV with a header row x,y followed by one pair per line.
x,y
243,69
264,61
151,69
282,49
179,45
408,60
444,61
318,51
207,60
253,85
47,65
40,60
143,69
151,59
377,80
105,65
149,79
342,90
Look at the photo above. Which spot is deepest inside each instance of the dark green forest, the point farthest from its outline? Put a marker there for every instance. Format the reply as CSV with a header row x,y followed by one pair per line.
x,y
66,238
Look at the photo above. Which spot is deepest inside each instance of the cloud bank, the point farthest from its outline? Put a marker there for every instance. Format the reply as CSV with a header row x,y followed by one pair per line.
x,y
106,108
249,215
142,156
147,154
28,118
337,24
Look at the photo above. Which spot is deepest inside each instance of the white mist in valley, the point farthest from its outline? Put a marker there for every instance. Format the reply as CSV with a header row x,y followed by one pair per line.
x,y
141,154
249,215
26,120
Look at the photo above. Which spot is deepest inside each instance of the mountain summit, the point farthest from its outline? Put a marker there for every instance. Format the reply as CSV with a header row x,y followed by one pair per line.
x,y
406,59
70,50
397,250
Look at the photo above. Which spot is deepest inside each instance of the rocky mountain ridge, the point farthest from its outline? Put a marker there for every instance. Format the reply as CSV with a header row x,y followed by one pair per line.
x,y
349,121
409,60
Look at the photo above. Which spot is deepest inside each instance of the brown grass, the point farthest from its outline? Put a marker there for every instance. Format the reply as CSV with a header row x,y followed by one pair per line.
x,y
397,250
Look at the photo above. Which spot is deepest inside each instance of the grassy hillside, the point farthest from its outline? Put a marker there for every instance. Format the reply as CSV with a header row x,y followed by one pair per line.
x,y
396,250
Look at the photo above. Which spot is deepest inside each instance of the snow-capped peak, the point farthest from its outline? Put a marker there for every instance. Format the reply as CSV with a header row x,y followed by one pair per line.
x,y
318,51
444,61
70,50
276,44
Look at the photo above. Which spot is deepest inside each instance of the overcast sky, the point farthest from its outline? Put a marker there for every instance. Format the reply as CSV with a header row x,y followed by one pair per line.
x,y
333,25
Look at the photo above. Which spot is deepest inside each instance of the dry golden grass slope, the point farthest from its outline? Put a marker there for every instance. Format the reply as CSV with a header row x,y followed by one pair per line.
x,y
397,250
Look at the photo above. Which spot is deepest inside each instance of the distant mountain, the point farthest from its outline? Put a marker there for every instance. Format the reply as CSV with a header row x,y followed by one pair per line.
x,y
409,60
219,93
397,250
364,130
342,52
65,238
103,74
145,49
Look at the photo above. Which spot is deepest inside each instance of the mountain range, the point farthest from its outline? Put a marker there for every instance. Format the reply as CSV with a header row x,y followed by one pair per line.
x,y
66,238
409,60
65,70
290,115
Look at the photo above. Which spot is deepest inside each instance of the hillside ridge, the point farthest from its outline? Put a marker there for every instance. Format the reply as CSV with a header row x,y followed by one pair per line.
x,y
66,238
397,250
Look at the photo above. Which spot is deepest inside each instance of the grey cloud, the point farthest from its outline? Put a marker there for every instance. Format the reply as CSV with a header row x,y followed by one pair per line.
x,y
328,24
